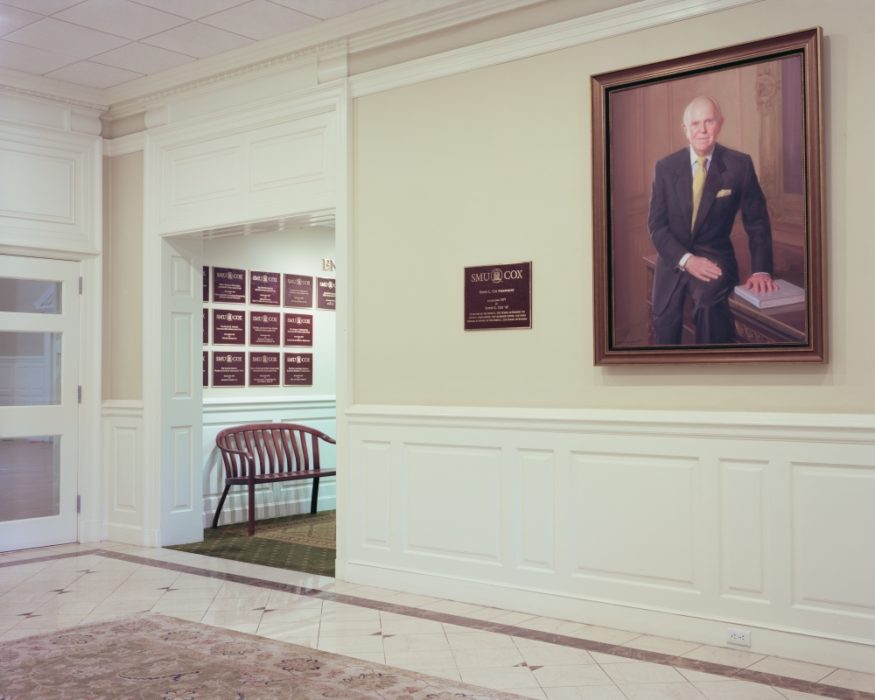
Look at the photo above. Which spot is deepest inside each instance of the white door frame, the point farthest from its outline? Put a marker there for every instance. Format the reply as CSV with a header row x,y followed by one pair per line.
x,y
91,527
156,394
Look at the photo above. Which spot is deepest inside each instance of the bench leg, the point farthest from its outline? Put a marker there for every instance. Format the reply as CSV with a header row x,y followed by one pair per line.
x,y
251,528
315,496
221,503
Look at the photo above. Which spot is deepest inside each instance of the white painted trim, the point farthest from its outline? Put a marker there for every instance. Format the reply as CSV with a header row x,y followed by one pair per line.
x,y
122,408
581,30
846,428
92,525
343,250
123,145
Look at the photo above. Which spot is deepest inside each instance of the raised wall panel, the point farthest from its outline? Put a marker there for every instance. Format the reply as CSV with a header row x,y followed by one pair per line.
x,y
452,501
743,533
37,187
181,334
536,495
181,456
833,526
289,159
624,505
122,454
125,453
49,189
204,173
249,173
376,480
181,276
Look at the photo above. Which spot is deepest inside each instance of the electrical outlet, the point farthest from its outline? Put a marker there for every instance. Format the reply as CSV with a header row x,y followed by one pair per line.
x,y
738,636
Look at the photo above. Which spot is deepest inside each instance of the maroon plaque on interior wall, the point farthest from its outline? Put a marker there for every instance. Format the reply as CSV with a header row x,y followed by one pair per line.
x,y
206,279
264,328
264,288
298,291
326,289
298,369
498,296
299,329
264,369
229,368
206,377
229,327
206,331
229,285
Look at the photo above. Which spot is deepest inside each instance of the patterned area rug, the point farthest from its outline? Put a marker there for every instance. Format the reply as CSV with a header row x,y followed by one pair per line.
x,y
161,657
297,542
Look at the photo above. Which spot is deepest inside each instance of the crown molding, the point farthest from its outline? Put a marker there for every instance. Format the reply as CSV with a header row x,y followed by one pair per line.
x,y
43,89
580,30
387,22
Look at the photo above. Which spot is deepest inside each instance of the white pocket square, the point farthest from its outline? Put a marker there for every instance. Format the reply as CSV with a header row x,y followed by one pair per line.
x,y
724,193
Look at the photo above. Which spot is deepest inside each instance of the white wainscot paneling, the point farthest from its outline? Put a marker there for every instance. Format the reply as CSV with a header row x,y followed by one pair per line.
x,y
272,500
834,525
254,173
672,524
536,504
452,500
123,467
49,189
743,529
634,518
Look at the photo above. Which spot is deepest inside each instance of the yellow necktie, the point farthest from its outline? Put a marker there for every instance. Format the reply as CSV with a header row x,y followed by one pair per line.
x,y
698,186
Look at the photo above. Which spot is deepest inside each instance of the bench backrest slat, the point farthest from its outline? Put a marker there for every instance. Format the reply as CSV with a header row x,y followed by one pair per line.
x,y
273,448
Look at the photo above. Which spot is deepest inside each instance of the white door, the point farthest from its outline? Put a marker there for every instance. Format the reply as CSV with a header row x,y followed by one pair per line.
x,y
39,410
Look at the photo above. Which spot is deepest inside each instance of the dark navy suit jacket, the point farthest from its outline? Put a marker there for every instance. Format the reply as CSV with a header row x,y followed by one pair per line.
x,y
730,185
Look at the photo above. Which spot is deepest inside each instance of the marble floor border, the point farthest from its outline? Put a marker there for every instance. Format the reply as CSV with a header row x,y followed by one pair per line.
x,y
733,672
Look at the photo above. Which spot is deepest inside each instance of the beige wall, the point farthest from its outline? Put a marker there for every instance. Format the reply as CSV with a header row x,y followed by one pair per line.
x,y
123,277
493,166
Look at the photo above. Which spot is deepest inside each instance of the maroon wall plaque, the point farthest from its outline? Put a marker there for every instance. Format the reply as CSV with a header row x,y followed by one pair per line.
x,y
298,368
229,327
498,296
298,291
206,378
264,328
229,368
229,285
326,289
264,288
206,332
299,329
206,278
264,369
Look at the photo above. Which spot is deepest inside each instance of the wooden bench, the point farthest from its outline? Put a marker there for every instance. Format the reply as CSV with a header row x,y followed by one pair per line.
x,y
261,453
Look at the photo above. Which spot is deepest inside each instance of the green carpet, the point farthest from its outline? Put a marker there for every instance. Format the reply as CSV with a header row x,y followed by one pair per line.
x,y
298,542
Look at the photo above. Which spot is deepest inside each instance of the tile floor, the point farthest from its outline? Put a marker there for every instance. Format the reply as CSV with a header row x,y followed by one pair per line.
x,y
535,657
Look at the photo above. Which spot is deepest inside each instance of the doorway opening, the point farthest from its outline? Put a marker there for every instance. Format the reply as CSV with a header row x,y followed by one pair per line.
x,y
268,353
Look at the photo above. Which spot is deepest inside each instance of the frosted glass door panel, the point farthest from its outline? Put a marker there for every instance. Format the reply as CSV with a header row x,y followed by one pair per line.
x,y
30,368
30,471
30,296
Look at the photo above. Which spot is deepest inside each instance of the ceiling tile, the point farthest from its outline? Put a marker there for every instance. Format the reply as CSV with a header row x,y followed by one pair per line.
x,y
29,59
142,58
259,19
197,39
192,9
66,38
120,17
11,18
93,74
325,9
44,7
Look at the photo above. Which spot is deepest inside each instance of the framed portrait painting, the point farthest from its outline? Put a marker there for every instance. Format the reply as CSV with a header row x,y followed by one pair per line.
x,y
708,207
